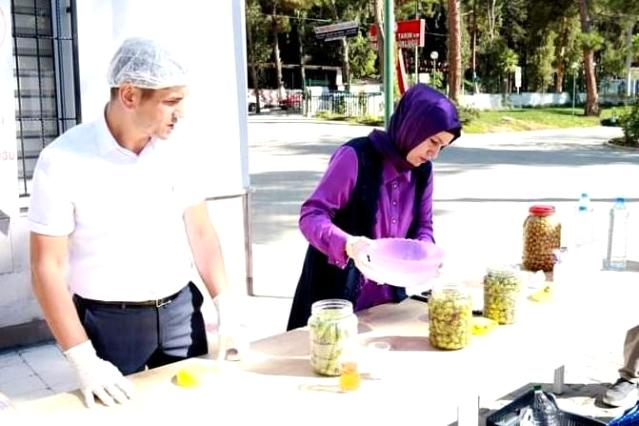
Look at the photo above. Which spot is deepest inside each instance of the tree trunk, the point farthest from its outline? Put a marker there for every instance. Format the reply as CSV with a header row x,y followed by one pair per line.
x,y
561,56
276,53
592,101
253,66
454,50
492,19
629,56
559,81
346,66
379,21
473,47
300,42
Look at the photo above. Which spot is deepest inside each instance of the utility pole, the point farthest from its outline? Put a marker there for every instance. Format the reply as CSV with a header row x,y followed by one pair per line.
x,y
389,53
417,46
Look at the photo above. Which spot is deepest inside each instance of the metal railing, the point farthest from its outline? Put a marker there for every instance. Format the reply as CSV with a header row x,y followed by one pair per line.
x,y
346,104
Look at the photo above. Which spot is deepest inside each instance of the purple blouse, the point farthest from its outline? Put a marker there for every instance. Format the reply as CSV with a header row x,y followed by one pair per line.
x,y
394,214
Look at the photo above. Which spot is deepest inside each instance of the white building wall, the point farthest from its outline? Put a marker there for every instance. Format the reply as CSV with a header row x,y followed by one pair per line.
x,y
210,37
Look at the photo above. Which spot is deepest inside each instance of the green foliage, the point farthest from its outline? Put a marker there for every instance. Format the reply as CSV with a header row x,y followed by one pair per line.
x,y
499,61
260,28
612,60
516,18
592,40
540,66
367,120
406,9
437,80
362,57
467,114
508,60
629,121
530,119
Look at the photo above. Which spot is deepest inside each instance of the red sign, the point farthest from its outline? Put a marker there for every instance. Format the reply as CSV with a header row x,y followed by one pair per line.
x,y
407,34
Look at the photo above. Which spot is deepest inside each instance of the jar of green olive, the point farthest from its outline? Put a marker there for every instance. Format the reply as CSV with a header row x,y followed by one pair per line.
x,y
542,235
450,314
502,290
333,331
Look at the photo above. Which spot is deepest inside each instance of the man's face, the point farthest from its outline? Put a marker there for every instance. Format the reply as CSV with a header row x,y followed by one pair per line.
x,y
159,110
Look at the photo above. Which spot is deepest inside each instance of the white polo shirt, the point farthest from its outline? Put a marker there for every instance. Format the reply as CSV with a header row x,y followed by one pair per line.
x,y
123,213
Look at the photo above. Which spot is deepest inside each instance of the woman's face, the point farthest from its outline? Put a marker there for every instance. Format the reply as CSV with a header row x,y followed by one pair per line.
x,y
429,149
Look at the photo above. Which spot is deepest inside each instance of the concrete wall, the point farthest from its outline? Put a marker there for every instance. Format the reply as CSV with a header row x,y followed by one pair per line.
x,y
532,99
210,37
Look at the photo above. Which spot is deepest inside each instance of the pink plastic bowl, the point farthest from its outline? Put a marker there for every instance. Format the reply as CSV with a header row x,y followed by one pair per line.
x,y
405,262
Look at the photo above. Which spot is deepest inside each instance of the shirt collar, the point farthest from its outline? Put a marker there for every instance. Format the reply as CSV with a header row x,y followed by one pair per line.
x,y
107,143
390,173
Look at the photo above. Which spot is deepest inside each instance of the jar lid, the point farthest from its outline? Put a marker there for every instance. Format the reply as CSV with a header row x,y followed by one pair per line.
x,y
542,210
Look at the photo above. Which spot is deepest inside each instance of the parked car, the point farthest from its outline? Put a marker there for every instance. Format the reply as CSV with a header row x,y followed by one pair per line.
x,y
292,101
251,102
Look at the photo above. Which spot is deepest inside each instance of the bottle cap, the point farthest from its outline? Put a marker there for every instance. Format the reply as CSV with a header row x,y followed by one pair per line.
x,y
542,210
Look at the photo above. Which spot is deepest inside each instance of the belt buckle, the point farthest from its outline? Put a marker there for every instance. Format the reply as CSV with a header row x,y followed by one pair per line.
x,y
161,302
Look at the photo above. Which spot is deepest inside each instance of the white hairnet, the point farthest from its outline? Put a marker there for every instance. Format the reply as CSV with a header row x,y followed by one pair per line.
x,y
144,63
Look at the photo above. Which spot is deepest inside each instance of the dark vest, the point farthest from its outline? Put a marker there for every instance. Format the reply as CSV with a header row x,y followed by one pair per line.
x,y
322,280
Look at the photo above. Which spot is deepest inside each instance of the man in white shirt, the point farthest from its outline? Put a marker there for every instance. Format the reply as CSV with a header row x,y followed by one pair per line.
x,y
625,391
116,228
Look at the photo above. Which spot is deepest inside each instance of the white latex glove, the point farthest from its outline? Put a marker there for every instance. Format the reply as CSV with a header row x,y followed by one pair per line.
x,y
357,246
98,377
232,340
367,269
5,402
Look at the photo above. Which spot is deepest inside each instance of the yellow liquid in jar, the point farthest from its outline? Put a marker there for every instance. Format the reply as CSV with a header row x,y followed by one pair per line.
x,y
349,378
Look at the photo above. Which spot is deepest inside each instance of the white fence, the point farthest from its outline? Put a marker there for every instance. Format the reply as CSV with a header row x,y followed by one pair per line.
x,y
514,100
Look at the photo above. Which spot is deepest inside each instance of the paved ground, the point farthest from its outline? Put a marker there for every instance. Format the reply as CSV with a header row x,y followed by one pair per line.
x,y
484,186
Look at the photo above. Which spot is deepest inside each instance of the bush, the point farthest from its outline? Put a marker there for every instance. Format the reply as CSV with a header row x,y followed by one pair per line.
x,y
467,114
629,121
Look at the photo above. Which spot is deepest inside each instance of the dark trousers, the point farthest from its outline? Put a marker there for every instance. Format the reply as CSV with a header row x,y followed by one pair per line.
x,y
133,337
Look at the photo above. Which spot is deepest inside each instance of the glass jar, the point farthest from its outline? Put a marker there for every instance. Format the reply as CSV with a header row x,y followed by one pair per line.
x,y
333,334
450,314
502,292
542,235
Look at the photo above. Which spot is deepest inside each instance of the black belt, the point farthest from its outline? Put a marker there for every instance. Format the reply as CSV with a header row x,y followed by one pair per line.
x,y
157,303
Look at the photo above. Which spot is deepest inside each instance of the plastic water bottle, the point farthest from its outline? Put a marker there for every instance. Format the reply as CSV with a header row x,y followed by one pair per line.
x,y
617,236
583,223
544,410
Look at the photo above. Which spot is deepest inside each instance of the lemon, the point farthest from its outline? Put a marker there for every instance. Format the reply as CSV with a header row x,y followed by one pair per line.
x,y
482,325
543,295
188,377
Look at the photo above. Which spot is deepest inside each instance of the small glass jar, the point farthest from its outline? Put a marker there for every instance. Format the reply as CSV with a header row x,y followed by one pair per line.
x,y
502,293
333,335
450,314
542,235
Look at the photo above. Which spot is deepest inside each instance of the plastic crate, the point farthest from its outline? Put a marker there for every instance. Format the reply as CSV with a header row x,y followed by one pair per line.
x,y
506,416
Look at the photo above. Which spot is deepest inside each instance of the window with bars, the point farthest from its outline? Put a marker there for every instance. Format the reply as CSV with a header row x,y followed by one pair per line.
x,y
45,69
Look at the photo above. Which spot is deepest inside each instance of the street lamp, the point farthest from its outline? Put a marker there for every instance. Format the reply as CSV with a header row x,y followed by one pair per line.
x,y
434,55
574,67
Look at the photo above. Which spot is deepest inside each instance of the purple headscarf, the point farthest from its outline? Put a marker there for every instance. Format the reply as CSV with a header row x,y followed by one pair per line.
x,y
421,113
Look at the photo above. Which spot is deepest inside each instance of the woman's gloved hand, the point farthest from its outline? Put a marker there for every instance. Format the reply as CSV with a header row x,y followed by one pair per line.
x,y
5,402
98,377
357,246
232,337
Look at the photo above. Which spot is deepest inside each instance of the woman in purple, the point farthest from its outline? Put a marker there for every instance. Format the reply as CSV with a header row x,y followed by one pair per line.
x,y
378,186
